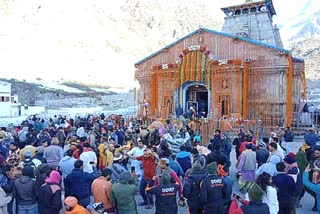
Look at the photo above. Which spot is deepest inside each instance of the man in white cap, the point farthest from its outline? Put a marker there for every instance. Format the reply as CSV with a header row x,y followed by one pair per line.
x,y
117,168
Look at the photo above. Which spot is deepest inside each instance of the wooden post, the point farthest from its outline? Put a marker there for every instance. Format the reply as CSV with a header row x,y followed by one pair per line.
x,y
304,83
289,92
245,89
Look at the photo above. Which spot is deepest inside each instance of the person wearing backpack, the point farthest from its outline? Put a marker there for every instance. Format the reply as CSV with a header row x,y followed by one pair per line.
x,y
191,188
213,191
29,161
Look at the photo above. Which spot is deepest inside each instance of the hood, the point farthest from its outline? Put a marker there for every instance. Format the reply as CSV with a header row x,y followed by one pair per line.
x,y
165,178
125,177
54,177
25,179
212,168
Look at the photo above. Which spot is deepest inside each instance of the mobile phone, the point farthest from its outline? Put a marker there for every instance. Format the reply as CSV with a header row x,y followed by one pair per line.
x,y
236,196
133,169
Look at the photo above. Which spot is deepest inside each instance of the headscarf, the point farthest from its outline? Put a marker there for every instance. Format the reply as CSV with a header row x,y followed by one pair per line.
x,y
54,177
71,201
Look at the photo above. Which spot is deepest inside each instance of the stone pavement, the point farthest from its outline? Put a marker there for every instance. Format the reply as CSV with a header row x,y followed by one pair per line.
x,y
307,201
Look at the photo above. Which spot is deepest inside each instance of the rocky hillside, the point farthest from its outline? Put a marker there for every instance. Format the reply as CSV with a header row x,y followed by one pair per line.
x,y
309,50
29,93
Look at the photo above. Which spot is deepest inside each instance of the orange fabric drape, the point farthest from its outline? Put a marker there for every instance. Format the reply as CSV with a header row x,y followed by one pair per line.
x,y
289,91
199,65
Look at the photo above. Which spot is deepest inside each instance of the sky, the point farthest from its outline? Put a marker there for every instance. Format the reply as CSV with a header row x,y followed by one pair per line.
x,y
64,40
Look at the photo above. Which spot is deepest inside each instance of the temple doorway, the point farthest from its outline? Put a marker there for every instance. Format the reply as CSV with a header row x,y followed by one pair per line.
x,y
197,98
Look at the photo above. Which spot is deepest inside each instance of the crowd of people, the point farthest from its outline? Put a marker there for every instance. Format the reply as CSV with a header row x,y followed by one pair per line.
x,y
61,164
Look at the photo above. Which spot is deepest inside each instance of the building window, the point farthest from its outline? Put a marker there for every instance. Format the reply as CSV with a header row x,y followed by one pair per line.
x,y
4,99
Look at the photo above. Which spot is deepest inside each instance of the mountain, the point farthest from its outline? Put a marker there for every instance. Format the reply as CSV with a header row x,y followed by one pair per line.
x,y
92,40
303,29
309,50
31,92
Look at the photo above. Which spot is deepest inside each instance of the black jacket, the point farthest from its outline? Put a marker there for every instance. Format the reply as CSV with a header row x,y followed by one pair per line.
x,y
191,188
49,199
218,157
25,190
255,207
213,193
166,198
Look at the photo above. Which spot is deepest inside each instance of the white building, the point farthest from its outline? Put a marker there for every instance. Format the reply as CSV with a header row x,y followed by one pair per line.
x,y
10,106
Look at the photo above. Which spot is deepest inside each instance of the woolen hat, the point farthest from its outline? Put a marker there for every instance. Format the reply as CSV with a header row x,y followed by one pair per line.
x,y
125,177
196,166
28,171
288,159
27,153
212,168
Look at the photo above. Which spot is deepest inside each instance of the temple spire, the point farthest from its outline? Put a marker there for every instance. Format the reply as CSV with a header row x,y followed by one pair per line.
x,y
252,19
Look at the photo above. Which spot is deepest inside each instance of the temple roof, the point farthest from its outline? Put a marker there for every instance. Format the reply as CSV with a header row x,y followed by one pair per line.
x,y
268,4
218,33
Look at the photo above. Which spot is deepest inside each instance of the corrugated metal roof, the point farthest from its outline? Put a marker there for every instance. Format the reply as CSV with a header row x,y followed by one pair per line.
x,y
297,59
218,33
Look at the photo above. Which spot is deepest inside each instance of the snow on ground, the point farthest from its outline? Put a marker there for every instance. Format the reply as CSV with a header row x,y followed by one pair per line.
x,y
116,90
71,112
58,86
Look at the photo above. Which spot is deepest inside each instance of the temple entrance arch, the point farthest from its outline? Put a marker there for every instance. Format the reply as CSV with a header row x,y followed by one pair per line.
x,y
197,96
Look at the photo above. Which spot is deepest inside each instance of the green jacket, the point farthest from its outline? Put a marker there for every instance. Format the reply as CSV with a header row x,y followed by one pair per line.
x,y
123,197
302,160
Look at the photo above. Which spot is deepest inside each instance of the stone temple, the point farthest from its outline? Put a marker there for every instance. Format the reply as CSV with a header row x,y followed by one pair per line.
x,y
242,72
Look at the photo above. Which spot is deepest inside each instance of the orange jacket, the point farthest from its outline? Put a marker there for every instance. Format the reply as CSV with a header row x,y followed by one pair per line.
x,y
78,210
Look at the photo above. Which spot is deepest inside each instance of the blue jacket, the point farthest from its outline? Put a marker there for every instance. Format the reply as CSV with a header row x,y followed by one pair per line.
x,y
314,187
175,166
286,187
184,159
78,184
213,193
229,184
